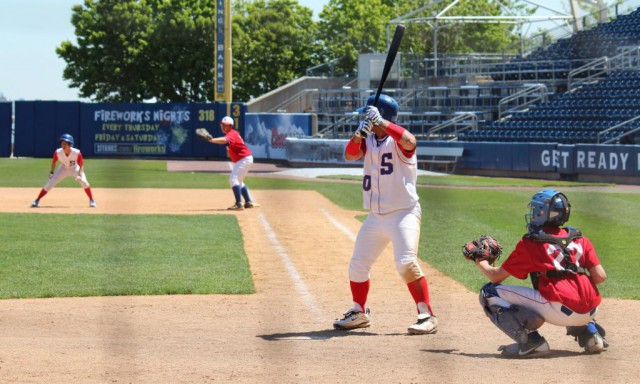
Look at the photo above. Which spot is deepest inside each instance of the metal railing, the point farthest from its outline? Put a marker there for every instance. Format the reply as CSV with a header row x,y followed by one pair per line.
x,y
530,95
464,121
588,73
602,135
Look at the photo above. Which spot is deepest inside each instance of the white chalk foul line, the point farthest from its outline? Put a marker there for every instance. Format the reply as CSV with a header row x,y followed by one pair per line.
x,y
339,225
295,276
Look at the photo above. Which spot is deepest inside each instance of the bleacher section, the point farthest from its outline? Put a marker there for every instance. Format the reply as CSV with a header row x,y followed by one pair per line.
x,y
606,39
580,116
438,112
580,89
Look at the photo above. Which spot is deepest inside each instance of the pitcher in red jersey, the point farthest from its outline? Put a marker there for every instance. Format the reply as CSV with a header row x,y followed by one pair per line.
x,y
241,158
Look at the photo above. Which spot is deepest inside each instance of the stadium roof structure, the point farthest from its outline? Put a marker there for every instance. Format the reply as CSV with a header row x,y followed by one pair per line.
x,y
442,19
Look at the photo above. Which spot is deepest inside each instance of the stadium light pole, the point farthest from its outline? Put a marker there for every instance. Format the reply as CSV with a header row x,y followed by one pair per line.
x,y
223,54
228,57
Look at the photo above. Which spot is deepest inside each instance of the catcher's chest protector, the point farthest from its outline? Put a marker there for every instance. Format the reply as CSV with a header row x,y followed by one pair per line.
x,y
562,242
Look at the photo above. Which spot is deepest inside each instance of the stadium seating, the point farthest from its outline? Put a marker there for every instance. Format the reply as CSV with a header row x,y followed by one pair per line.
x,y
564,115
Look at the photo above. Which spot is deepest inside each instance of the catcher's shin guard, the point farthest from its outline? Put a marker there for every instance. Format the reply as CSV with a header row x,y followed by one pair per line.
x,y
516,322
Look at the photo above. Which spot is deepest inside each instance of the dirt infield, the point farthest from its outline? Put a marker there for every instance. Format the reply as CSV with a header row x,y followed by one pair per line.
x,y
298,244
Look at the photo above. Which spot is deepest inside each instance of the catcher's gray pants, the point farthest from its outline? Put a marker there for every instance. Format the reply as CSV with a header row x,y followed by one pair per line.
x,y
552,312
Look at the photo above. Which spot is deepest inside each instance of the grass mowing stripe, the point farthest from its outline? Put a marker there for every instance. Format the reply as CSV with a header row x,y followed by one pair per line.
x,y
94,255
451,216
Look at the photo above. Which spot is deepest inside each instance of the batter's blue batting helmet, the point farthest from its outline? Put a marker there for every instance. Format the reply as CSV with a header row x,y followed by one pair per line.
x,y
66,137
548,208
387,106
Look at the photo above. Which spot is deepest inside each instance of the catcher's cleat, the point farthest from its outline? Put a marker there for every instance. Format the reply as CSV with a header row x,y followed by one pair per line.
x,y
590,337
251,204
353,319
236,207
530,349
92,203
426,325
595,344
35,204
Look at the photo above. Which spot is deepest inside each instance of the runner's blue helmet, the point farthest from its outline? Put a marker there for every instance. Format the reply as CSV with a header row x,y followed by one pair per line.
x,y
549,208
387,106
66,137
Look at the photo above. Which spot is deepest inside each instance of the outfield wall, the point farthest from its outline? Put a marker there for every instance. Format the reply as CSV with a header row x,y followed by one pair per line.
x,y
121,129
144,129
619,163
588,162
5,129
166,130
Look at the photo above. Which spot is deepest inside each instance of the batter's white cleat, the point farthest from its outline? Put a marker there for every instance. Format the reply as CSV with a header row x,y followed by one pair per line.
x,y
92,203
35,204
426,325
353,319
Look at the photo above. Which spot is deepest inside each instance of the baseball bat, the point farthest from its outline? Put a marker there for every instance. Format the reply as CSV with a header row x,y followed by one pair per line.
x,y
391,57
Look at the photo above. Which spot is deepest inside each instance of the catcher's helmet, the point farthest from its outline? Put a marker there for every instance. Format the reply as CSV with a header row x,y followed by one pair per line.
x,y
548,208
66,137
387,106
227,120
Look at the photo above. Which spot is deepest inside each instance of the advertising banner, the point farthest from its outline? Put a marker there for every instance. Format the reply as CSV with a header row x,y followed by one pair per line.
x,y
266,133
138,129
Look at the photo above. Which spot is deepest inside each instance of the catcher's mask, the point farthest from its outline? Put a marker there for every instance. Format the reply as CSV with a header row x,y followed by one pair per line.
x,y
387,106
548,208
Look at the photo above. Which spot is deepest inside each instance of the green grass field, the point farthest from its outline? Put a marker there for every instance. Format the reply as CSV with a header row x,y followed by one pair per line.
x,y
165,254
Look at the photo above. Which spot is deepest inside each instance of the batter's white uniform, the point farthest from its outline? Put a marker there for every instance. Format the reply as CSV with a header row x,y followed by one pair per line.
x,y
389,193
69,167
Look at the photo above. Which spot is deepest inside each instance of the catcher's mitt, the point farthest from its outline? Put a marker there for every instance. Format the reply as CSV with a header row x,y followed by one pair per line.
x,y
203,134
483,248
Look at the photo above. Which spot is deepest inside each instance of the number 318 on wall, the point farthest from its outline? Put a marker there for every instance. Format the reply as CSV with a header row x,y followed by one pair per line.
x,y
206,115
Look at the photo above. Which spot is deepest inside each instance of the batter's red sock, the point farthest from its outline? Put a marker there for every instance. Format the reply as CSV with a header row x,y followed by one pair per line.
x,y
420,292
41,195
359,292
88,192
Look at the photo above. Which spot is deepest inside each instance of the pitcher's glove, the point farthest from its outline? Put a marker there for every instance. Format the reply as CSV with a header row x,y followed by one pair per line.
x,y
483,248
203,134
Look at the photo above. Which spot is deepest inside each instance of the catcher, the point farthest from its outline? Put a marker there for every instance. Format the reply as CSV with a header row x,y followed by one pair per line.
x,y
564,271
241,158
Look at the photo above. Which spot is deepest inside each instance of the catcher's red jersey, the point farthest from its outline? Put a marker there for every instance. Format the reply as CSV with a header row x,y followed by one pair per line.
x,y
576,291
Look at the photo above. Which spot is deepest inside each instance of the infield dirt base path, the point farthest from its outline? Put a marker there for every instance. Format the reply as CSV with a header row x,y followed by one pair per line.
x,y
298,244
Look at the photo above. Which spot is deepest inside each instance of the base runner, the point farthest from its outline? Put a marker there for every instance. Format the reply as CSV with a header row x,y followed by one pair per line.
x,y
71,165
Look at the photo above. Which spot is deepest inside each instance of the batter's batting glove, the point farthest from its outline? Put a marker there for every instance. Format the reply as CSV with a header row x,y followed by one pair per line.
x,y
364,129
372,114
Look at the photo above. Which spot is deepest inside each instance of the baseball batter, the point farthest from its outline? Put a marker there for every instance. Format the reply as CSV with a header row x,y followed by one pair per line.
x,y
564,270
71,165
389,194
241,159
